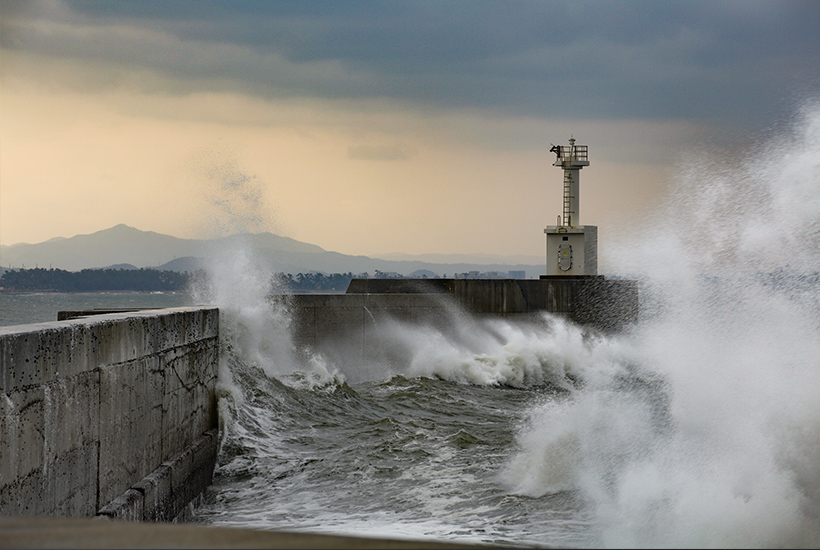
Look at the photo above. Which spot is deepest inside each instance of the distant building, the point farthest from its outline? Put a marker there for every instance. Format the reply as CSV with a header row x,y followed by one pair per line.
x,y
515,274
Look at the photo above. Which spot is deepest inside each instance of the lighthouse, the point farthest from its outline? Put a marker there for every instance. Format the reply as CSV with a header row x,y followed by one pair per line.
x,y
572,248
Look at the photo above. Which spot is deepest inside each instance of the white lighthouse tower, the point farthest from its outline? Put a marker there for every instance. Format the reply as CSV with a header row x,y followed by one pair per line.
x,y
572,248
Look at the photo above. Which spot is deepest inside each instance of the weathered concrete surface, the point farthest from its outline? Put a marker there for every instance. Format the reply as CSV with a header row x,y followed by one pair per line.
x,y
349,328
355,327
604,304
171,490
19,532
92,407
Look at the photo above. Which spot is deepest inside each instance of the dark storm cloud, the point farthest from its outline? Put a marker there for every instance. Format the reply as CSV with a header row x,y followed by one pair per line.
x,y
731,60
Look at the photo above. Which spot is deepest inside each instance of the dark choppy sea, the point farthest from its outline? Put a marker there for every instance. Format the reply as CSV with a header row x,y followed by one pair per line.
x,y
41,307
399,455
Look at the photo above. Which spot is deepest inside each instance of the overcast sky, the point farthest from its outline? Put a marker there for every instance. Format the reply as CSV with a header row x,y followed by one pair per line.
x,y
376,127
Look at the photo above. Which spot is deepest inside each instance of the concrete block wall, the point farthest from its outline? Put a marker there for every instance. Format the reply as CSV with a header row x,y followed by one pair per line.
x,y
594,301
349,327
605,304
346,327
105,409
320,317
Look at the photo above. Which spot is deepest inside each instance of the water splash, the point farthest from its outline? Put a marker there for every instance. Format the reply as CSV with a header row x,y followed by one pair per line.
x,y
234,199
241,281
545,351
723,450
700,427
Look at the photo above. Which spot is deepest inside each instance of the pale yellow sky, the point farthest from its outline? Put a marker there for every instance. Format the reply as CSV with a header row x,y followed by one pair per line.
x,y
369,128
75,162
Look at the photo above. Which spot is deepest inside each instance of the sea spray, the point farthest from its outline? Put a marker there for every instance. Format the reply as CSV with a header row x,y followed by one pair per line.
x,y
732,339
234,200
698,427
240,279
544,351
255,331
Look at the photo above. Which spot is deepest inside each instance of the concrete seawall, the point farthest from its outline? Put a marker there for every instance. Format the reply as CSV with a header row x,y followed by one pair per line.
x,y
110,415
591,300
349,327
114,414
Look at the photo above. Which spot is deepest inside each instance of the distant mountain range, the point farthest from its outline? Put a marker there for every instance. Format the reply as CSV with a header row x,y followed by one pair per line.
x,y
124,247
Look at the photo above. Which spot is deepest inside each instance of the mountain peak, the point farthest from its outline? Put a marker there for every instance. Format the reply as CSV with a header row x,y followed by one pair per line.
x,y
121,228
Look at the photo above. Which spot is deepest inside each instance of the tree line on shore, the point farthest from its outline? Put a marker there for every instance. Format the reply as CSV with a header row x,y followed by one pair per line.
x,y
315,281
90,280
149,280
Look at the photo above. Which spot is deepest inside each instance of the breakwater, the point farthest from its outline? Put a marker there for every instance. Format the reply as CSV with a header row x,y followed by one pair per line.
x,y
592,300
112,414
350,327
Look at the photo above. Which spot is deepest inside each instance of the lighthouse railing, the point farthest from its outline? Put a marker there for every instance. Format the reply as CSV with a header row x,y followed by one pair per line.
x,y
576,152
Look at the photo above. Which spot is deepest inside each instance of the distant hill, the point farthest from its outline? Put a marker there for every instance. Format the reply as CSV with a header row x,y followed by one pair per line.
x,y
124,247
122,244
188,263
125,267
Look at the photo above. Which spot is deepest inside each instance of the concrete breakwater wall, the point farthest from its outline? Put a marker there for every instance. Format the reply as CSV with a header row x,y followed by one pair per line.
x,y
110,415
592,300
114,414
350,327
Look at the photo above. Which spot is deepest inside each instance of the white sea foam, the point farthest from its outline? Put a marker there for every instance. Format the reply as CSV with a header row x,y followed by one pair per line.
x,y
732,341
506,355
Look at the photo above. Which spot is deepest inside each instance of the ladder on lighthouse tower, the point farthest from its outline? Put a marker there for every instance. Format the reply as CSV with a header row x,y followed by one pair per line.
x,y
567,198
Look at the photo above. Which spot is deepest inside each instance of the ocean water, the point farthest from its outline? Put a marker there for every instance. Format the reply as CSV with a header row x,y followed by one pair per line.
x,y
697,427
42,307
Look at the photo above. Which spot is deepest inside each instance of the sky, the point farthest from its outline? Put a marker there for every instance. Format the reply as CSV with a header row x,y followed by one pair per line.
x,y
379,127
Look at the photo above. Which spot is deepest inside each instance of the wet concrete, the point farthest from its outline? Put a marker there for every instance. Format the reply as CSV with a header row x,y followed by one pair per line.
x,y
42,532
